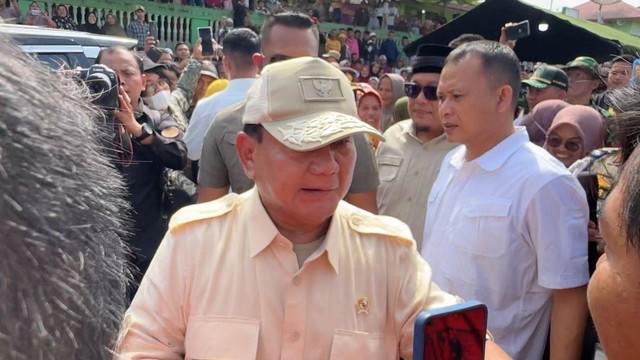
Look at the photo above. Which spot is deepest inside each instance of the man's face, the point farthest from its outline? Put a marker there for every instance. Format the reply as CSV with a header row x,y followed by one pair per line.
x,y
391,35
614,290
467,102
320,177
535,96
132,81
358,35
289,42
350,34
154,85
581,85
619,75
333,34
423,112
182,52
201,87
140,15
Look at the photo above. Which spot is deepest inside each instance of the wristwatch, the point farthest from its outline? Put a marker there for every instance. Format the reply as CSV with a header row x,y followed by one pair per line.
x,y
147,131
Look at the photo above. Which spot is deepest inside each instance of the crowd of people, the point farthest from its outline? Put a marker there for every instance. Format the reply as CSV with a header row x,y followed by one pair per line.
x,y
227,182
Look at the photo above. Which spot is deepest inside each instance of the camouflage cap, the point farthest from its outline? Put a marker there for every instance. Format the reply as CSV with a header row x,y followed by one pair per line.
x,y
586,63
547,75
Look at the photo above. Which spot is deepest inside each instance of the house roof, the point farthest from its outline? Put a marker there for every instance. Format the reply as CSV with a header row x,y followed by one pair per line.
x,y
618,11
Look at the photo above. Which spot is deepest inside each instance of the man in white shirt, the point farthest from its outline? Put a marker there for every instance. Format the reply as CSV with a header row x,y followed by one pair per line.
x,y
239,45
507,224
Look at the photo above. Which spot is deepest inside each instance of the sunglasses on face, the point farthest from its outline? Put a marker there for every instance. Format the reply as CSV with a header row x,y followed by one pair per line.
x,y
571,145
413,91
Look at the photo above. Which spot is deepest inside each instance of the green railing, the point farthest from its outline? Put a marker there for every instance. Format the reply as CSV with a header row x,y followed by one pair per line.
x,y
175,22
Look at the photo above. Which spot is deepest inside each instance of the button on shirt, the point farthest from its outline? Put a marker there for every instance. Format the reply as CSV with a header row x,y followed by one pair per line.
x,y
206,111
506,229
225,284
408,168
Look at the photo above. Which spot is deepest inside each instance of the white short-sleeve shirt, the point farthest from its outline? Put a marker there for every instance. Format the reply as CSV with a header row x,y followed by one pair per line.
x,y
506,229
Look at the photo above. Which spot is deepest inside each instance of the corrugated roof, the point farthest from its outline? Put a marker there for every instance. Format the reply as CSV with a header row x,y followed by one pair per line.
x,y
618,11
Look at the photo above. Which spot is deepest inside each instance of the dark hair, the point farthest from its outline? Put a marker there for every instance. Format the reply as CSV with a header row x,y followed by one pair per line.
x,y
175,48
240,45
630,195
463,39
349,29
115,49
500,64
623,58
288,19
173,67
62,219
357,31
254,131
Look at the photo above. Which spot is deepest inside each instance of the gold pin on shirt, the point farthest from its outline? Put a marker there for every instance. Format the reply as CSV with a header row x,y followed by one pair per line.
x,y
362,306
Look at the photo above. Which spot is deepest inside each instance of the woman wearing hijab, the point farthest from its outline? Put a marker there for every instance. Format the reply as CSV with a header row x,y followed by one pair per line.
x,y
63,19
575,131
391,88
370,109
540,118
91,24
112,26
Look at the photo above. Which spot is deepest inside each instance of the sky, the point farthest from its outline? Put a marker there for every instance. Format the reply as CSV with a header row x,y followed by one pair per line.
x,y
558,4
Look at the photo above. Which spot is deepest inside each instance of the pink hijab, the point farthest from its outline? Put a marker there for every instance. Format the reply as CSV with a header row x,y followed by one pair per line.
x,y
540,118
587,121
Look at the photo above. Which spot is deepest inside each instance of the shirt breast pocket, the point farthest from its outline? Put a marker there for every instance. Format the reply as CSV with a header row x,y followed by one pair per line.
x,y
484,229
222,338
349,344
388,167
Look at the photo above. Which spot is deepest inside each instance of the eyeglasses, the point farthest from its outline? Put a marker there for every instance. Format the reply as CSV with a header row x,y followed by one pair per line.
x,y
570,145
413,91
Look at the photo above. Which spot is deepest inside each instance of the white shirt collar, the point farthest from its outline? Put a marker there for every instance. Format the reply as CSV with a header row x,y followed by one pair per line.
x,y
494,158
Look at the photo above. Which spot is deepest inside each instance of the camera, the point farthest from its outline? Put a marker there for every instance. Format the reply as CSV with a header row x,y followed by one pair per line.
x,y
102,83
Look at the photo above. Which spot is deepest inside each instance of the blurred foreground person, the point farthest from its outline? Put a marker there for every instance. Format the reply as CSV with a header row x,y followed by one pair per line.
x,y
614,291
63,273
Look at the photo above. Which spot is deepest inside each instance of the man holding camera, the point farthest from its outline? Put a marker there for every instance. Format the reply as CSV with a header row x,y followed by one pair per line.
x,y
155,143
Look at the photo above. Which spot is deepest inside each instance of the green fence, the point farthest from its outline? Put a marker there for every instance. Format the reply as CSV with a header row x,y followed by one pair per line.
x,y
175,22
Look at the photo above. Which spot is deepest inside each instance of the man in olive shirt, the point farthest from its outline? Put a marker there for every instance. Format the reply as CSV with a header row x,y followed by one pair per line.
x,y
284,35
409,159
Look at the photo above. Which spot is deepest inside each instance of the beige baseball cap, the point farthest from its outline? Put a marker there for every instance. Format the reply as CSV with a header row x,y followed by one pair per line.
x,y
305,103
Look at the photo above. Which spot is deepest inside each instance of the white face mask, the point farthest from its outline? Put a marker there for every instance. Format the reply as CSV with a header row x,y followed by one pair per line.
x,y
159,101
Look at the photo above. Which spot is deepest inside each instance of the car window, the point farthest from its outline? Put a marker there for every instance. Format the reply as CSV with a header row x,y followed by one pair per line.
x,y
62,60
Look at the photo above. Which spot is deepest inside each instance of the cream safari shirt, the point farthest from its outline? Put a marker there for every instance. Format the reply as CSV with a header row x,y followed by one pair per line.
x,y
224,284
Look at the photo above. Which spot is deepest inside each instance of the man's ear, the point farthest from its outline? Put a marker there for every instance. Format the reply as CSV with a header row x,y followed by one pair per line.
x,y
246,147
258,60
505,94
144,81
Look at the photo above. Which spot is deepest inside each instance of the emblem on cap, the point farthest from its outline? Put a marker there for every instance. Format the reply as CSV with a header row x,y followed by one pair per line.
x,y
362,306
315,88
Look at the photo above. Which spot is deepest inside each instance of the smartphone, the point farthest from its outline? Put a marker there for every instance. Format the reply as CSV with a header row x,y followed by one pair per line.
x,y
154,54
589,183
518,31
153,29
452,332
206,35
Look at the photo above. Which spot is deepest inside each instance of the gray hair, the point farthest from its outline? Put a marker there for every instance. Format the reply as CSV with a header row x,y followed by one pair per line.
x,y
63,272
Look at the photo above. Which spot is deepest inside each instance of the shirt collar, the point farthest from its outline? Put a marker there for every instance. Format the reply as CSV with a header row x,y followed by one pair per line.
x,y
498,155
266,232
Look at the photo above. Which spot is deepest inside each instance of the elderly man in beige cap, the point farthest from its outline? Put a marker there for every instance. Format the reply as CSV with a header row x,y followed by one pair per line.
x,y
286,270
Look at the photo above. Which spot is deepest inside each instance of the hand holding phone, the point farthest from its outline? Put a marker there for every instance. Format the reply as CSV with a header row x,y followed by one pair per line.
x,y
517,31
206,35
